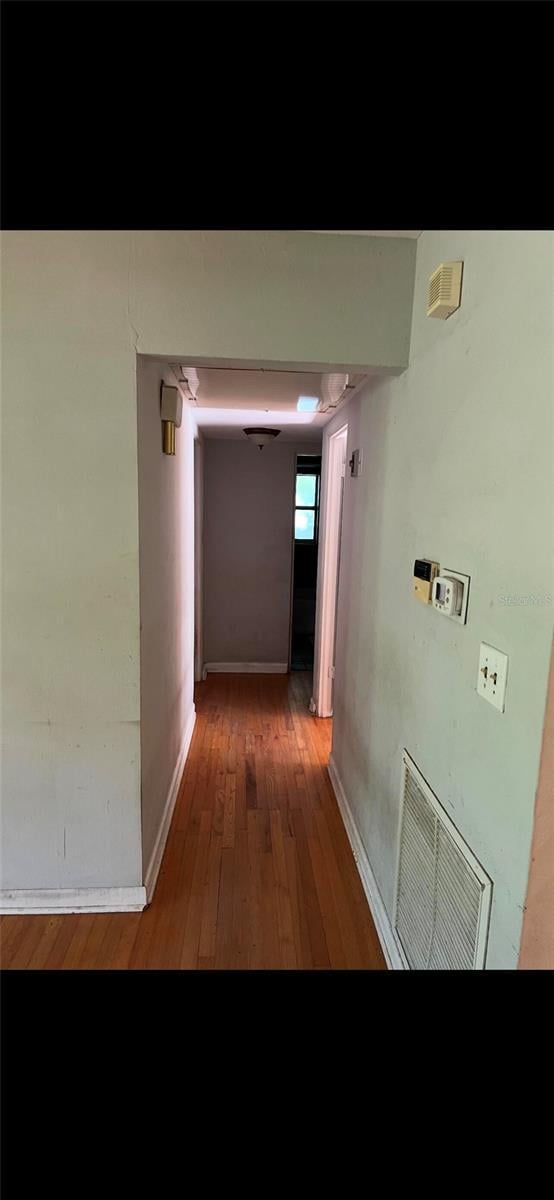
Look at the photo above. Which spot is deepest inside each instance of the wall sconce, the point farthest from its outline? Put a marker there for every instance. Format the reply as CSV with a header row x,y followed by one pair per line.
x,y
171,412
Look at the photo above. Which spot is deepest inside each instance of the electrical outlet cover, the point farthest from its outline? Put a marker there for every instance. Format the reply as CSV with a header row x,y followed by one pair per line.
x,y
493,673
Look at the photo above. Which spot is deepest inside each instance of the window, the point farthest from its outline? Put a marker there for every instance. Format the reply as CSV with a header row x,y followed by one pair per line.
x,y
306,507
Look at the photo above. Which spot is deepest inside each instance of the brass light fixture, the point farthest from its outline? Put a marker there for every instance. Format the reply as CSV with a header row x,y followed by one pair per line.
x,y
261,436
171,411
168,437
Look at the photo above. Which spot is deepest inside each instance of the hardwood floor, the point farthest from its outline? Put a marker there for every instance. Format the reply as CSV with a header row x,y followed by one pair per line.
x,y
257,873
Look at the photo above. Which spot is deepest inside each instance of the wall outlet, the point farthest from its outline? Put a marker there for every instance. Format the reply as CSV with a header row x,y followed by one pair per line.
x,y
493,673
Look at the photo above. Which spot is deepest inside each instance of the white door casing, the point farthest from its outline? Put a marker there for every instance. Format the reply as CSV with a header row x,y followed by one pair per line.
x,y
333,473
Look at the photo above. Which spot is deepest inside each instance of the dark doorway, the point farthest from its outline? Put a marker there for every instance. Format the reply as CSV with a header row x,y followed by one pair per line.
x,y
306,534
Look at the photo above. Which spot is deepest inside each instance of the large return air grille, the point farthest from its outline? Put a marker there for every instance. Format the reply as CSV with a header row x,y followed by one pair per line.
x,y
443,895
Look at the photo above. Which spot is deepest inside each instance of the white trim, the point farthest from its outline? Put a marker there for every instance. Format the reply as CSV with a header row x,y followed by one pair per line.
x,y
114,899
245,668
155,863
198,556
328,569
72,900
395,962
294,465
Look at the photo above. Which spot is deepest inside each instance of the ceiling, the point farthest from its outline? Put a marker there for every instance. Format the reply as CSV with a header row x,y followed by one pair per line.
x,y
255,389
226,400
230,423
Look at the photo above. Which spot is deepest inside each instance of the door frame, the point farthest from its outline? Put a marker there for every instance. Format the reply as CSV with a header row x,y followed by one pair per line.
x,y
198,557
333,468
303,453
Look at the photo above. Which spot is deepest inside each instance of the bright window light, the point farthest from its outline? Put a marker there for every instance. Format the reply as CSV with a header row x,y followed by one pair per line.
x,y
304,524
306,507
307,403
305,491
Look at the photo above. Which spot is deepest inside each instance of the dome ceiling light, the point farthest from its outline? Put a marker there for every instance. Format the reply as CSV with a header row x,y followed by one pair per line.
x,y
261,437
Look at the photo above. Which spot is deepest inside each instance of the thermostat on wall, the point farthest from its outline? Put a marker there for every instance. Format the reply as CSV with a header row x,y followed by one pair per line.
x,y
450,595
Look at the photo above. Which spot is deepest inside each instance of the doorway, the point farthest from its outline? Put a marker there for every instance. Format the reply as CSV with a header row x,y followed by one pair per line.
x,y
328,577
304,567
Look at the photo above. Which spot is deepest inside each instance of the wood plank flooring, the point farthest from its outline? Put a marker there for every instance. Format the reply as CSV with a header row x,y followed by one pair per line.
x,y
257,874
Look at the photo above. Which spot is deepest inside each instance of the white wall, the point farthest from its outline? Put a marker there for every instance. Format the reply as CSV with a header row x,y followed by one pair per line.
x,y
457,467
70,663
537,940
76,308
166,549
248,528
279,297
198,557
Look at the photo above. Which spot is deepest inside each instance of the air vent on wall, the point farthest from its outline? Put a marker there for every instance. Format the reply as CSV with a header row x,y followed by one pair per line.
x,y
187,377
335,389
445,288
443,895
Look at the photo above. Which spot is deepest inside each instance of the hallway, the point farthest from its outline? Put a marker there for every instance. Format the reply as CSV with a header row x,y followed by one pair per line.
x,y
257,873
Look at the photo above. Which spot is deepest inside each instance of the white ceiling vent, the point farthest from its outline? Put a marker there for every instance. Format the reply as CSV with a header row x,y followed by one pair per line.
x,y
443,895
445,290
187,377
333,388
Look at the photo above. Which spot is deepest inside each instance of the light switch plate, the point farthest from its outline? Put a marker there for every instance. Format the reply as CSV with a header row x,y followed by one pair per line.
x,y
355,463
493,673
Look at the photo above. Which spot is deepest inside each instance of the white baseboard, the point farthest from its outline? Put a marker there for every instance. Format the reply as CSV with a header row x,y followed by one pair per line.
x,y
242,668
379,913
159,845
42,901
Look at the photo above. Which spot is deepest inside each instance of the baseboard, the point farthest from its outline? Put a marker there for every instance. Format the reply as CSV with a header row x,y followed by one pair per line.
x,y
242,668
42,901
159,845
379,913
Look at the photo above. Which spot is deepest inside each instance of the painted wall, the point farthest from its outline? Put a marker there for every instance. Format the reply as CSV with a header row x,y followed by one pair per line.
x,y
248,524
198,556
166,551
70,667
280,297
537,942
77,306
457,467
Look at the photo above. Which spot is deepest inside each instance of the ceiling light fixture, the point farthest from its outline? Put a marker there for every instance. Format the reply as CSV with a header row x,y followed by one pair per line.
x,y
260,436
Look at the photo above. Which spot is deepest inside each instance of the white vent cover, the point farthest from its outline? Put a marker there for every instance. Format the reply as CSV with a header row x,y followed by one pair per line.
x,y
445,290
333,388
443,895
